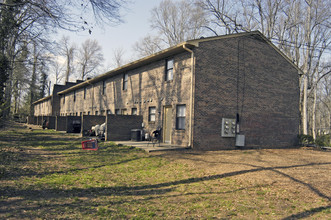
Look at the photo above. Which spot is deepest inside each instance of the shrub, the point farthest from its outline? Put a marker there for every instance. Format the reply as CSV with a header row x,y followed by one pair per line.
x,y
305,139
323,140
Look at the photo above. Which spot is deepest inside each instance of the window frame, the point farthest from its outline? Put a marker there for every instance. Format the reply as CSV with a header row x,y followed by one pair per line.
x,y
179,118
134,109
103,87
168,69
150,114
124,111
125,81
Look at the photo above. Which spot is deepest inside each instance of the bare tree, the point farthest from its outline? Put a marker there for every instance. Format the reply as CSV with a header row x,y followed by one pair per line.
x,y
20,77
43,70
67,50
90,57
57,69
178,21
304,37
118,57
148,46
223,16
31,19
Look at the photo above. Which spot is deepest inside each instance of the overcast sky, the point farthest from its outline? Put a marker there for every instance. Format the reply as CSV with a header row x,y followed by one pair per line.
x,y
136,26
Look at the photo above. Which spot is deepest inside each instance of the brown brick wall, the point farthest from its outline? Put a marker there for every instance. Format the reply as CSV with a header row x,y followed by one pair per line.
x,y
43,108
118,127
70,124
90,120
61,123
146,88
30,119
267,88
39,120
51,106
51,121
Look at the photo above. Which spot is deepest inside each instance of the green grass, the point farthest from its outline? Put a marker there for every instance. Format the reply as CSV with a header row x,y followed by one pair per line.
x,y
45,174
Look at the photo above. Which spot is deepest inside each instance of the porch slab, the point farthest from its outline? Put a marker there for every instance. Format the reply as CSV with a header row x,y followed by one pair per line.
x,y
148,146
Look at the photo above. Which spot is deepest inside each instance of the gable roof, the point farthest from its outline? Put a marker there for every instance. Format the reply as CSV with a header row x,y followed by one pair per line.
x,y
256,34
169,52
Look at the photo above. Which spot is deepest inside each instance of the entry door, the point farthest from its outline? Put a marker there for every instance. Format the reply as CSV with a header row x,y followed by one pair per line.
x,y
167,124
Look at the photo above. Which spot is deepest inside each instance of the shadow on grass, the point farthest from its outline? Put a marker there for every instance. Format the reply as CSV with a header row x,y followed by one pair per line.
x,y
150,190
18,172
119,190
307,213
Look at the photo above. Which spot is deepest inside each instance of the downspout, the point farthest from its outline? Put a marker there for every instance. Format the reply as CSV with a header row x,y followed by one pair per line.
x,y
192,95
92,95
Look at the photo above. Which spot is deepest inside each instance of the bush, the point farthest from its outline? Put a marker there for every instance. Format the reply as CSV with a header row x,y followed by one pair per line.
x,y
305,139
323,140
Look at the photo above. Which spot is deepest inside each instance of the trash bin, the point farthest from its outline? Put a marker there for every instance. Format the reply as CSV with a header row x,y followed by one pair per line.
x,y
136,135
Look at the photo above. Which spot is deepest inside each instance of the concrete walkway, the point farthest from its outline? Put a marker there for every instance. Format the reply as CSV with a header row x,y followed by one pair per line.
x,y
148,146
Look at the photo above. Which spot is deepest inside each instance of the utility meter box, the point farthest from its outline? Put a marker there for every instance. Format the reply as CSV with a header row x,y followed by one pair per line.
x,y
240,140
228,127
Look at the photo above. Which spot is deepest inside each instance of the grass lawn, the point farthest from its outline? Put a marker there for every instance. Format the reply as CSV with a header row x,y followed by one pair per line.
x,y
45,174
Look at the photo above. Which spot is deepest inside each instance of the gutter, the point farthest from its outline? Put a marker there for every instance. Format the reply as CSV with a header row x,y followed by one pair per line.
x,y
192,95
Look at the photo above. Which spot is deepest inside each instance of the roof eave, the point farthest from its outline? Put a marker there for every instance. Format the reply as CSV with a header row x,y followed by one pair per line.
x,y
197,41
133,65
42,99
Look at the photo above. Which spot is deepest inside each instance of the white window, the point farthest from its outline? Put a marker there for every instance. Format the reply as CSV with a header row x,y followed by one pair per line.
x,y
180,117
152,111
169,75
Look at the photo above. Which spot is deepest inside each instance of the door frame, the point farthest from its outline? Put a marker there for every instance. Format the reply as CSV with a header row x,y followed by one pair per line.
x,y
164,123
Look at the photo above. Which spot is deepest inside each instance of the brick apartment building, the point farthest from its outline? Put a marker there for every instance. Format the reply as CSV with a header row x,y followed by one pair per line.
x,y
203,93
50,105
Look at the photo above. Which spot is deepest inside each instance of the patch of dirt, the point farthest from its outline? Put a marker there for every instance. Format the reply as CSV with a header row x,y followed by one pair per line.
x,y
304,172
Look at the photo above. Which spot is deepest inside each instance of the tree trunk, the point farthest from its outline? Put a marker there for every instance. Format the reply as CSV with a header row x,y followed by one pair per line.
x,y
304,127
313,121
33,79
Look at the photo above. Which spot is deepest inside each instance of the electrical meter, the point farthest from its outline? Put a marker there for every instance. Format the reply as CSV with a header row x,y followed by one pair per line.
x,y
228,127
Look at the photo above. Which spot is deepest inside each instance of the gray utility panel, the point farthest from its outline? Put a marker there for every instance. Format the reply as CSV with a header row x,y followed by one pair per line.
x,y
228,127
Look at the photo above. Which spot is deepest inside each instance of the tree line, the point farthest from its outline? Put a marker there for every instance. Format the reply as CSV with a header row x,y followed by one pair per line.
x,y
28,56
299,28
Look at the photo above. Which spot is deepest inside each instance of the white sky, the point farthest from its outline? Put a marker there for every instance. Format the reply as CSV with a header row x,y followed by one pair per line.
x,y
136,26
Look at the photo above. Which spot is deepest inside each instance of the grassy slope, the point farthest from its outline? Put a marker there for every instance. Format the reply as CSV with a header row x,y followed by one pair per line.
x,y
46,174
